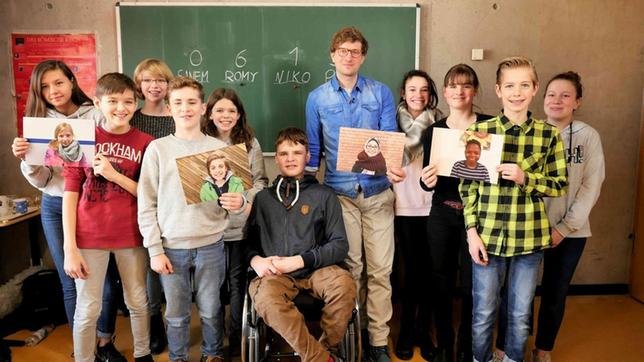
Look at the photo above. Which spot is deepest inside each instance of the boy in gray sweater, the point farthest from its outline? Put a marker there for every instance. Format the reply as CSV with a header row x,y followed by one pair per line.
x,y
180,236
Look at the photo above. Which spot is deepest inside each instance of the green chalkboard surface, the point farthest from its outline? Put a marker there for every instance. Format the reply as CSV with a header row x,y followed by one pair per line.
x,y
273,56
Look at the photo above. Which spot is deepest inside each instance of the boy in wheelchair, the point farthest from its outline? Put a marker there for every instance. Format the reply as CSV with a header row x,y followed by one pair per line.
x,y
297,242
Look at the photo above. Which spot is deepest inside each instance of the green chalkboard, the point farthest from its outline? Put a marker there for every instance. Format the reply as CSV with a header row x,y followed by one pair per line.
x,y
273,56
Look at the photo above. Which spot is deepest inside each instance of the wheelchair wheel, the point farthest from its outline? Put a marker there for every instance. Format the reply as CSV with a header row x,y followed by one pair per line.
x,y
254,332
351,342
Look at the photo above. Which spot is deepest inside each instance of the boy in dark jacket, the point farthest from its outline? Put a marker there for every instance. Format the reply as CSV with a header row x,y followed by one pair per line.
x,y
298,242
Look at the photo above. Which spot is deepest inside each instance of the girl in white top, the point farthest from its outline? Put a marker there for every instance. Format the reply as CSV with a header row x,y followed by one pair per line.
x,y
416,111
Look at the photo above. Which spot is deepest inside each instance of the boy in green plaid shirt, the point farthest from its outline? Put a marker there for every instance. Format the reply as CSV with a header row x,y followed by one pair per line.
x,y
507,226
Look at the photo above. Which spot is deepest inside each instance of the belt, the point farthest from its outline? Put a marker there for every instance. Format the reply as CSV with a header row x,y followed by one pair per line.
x,y
453,204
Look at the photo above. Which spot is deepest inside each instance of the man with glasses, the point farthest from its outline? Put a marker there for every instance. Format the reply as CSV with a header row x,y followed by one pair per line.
x,y
351,100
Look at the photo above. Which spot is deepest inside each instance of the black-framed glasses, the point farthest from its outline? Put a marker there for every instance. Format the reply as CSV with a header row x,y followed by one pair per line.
x,y
343,52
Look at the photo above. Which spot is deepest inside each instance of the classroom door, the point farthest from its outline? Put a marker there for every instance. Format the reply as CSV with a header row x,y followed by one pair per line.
x,y
637,261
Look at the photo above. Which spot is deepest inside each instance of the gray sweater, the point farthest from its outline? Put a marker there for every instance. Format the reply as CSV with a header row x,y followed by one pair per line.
x,y
237,227
585,159
50,179
165,219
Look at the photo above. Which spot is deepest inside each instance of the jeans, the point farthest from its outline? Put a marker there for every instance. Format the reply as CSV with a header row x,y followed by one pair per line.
x,y
236,275
209,267
133,264
522,274
51,216
559,266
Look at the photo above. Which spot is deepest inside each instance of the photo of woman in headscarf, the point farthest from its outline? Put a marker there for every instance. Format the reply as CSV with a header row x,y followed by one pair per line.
x,y
370,160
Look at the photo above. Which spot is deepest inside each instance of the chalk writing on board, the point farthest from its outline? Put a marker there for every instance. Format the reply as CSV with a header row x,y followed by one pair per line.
x,y
292,76
196,59
240,60
285,76
330,73
240,75
295,51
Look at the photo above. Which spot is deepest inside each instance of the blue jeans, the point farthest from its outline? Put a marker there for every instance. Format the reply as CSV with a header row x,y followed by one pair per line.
x,y
51,216
209,263
522,274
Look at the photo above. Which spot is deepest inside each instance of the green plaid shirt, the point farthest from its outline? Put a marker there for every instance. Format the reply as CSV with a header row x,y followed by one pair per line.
x,y
511,219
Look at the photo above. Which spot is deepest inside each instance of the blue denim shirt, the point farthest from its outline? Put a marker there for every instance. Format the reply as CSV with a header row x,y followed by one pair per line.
x,y
329,107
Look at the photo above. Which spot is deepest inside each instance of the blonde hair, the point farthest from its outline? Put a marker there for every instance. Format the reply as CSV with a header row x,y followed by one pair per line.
x,y
516,62
59,128
216,156
155,66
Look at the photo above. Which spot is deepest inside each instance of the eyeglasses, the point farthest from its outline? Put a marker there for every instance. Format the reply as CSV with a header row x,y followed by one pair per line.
x,y
156,81
343,52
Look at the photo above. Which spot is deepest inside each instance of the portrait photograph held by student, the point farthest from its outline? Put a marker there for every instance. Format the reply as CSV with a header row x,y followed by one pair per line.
x,y
206,176
369,152
466,154
59,142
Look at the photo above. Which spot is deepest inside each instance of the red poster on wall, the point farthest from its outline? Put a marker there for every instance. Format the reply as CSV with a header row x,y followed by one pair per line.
x,y
78,51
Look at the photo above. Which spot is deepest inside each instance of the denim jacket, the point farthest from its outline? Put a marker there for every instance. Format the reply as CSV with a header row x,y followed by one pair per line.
x,y
329,107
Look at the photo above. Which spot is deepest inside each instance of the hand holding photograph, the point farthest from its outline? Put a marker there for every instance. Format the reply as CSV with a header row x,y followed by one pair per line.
x,y
208,175
369,152
466,154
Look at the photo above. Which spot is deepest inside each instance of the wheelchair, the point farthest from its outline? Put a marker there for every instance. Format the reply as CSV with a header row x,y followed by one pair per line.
x,y
260,343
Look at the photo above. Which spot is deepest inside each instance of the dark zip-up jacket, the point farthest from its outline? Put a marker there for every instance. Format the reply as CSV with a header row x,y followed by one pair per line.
x,y
312,227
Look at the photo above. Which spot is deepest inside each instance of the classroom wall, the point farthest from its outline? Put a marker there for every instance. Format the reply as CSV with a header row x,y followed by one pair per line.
x,y
602,40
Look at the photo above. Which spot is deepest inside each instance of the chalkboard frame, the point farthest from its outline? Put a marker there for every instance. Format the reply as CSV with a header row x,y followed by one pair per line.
x,y
265,127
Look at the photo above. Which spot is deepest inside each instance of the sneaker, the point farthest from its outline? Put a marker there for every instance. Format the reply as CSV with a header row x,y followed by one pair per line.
x,y
498,356
205,358
379,354
146,358
537,358
108,353
158,338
